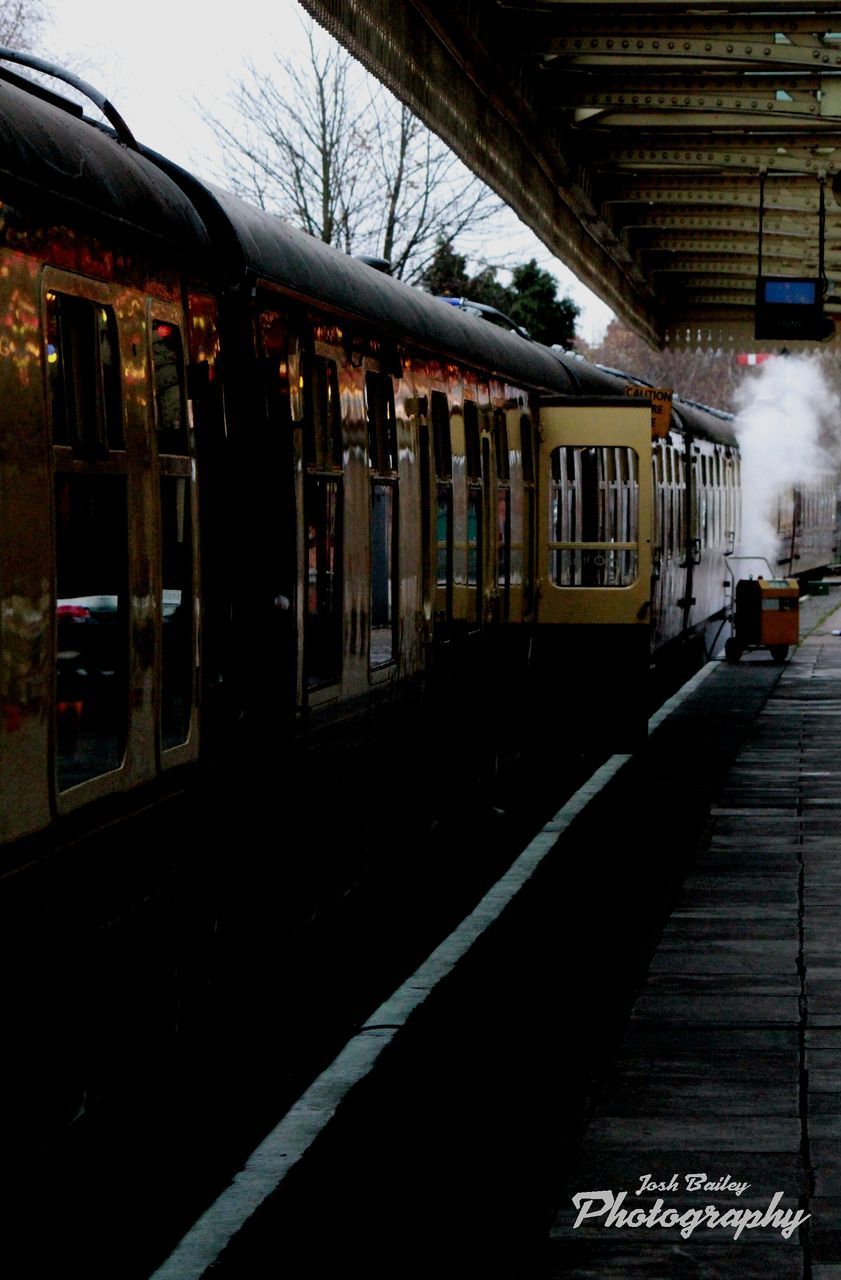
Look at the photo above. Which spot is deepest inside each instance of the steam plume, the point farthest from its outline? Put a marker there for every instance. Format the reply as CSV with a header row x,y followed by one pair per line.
x,y
788,428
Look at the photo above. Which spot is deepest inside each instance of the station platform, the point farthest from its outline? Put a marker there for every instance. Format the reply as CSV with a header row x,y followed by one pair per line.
x,y
655,1008
725,1092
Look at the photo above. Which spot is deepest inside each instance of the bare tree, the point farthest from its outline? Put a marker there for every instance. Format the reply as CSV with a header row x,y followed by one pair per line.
x,y
21,23
708,376
294,147
421,190
320,143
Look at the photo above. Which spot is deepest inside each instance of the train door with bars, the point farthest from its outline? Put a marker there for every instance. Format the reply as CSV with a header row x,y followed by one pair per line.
x,y
498,489
439,413
595,513
297,508
475,461
384,515
323,523
177,611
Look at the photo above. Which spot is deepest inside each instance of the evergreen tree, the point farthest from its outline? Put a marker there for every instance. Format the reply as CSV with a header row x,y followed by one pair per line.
x,y
534,304
531,300
446,276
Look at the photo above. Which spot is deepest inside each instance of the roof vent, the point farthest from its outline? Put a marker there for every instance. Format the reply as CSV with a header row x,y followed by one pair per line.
x,y
379,264
493,314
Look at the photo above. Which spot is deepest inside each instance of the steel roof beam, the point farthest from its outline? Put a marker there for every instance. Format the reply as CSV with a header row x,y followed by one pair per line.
x,y
785,191
749,155
643,218
631,135
581,50
532,32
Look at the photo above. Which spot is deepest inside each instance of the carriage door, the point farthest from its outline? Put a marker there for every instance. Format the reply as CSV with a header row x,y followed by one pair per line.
x,y
594,557
594,498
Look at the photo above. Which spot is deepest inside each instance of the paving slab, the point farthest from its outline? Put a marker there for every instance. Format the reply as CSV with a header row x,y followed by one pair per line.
x,y
622,1261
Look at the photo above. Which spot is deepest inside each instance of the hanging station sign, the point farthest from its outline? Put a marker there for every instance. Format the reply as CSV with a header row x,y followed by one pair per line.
x,y
791,308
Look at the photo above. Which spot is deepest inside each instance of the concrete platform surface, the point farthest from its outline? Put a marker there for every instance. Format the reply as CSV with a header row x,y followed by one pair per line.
x,y
731,1066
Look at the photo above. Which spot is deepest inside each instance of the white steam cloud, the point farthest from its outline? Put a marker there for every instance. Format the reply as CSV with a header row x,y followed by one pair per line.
x,y
789,432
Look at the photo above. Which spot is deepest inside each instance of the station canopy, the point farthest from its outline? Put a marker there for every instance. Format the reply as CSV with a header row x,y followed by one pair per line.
x,y
635,138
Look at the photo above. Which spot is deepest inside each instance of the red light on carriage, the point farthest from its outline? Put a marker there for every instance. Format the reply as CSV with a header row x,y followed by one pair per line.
x,y
754,357
73,612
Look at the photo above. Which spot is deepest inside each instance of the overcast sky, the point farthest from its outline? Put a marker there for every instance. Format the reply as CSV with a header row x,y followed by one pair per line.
x,y
157,62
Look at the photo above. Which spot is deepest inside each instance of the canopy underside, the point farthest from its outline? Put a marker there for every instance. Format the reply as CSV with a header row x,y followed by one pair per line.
x,y
631,137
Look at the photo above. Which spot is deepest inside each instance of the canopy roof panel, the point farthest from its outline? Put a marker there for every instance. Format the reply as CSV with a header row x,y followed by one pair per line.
x,y
631,136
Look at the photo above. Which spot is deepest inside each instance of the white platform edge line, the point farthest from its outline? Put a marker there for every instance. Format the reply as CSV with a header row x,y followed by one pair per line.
x,y
270,1162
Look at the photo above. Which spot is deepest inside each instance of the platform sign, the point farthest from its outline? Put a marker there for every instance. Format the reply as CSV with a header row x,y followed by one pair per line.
x,y
661,406
791,308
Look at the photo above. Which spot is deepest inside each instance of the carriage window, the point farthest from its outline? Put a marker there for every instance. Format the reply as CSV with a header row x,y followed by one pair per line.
x,y
176,606
273,346
503,470
323,435
444,498
595,516
91,538
382,457
503,538
444,527
177,663
323,490
282,369
323,624
168,374
503,508
473,462
474,537
471,440
382,426
91,524
383,564
529,507
83,374
425,476
441,436
527,448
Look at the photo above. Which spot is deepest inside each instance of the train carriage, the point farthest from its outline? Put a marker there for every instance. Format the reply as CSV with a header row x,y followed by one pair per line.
x,y
279,532
98,537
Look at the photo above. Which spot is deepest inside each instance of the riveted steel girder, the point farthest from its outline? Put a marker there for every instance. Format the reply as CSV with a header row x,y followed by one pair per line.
x,y
631,136
581,50
645,217
686,100
800,194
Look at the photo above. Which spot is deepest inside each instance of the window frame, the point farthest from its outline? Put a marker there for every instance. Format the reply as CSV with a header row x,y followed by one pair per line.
x,y
181,466
322,461
383,479
87,457
439,422
595,496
